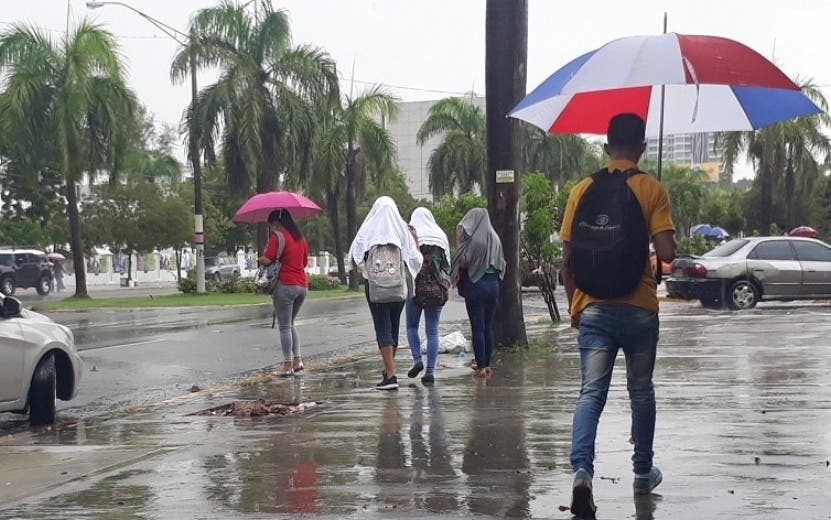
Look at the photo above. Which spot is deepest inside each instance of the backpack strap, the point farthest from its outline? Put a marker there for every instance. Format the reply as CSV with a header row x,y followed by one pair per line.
x,y
281,245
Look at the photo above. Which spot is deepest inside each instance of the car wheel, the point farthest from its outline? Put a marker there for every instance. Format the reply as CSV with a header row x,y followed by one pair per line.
x,y
743,295
44,286
7,285
42,393
217,277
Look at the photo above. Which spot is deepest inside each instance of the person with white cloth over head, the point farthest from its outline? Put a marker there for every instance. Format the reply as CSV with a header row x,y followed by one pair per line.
x,y
386,249
430,292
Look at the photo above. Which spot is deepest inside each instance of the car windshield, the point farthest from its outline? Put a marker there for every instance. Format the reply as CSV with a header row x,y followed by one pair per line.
x,y
211,262
727,249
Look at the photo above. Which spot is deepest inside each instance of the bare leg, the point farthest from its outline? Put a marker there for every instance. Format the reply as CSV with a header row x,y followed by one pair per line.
x,y
388,355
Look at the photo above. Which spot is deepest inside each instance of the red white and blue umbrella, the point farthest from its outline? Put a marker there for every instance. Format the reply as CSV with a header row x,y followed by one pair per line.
x,y
712,84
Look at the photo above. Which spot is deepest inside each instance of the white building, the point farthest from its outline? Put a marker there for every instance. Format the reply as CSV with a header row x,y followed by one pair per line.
x,y
412,158
688,149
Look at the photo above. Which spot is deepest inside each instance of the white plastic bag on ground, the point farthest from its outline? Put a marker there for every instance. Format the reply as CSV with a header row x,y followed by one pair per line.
x,y
452,343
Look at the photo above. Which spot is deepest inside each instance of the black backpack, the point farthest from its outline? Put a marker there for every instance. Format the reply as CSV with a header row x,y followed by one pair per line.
x,y
431,288
609,237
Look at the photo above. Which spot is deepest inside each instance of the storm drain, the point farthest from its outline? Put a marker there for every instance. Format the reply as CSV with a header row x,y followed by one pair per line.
x,y
257,408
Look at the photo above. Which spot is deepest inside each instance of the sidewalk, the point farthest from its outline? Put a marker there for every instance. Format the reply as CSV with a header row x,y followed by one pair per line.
x,y
744,409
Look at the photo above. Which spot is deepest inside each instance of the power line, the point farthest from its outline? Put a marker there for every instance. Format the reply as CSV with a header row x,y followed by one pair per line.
x,y
400,87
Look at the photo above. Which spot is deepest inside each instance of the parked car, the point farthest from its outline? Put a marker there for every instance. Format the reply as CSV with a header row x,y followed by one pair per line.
x,y
24,268
38,362
744,271
220,268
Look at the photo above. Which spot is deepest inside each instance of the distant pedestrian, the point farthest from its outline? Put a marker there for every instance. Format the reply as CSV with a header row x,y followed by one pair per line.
x,y
387,249
477,268
289,248
57,271
430,291
609,220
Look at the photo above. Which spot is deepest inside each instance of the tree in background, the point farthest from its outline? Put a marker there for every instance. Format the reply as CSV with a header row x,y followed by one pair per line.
x,y
72,91
560,157
450,210
261,107
686,190
506,52
458,163
539,206
789,154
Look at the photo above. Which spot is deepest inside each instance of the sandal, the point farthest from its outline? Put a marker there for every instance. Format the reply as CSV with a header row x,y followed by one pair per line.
x,y
287,370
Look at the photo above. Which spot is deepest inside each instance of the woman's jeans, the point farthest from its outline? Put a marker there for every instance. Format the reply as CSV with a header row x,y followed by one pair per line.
x,y
431,325
606,328
480,302
287,302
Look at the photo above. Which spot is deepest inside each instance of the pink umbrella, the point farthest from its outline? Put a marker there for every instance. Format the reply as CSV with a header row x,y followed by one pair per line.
x,y
803,231
257,208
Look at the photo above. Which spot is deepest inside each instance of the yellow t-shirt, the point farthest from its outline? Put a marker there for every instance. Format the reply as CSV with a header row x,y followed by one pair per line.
x,y
654,201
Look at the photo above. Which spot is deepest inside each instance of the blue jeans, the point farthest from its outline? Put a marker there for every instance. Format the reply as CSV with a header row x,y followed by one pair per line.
x,y
604,329
431,325
480,302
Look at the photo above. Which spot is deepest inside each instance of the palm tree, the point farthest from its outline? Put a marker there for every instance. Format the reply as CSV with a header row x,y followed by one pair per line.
x,y
560,157
72,91
260,108
788,147
353,144
458,163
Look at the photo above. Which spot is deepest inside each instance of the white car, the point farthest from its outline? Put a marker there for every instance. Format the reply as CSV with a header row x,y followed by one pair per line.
x,y
38,362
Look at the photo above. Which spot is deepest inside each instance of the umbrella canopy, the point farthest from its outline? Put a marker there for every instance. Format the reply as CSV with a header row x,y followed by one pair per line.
x,y
257,208
708,231
804,231
56,256
712,84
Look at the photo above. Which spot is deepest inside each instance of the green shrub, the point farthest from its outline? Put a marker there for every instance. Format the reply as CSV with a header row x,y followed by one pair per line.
x,y
693,245
187,285
320,282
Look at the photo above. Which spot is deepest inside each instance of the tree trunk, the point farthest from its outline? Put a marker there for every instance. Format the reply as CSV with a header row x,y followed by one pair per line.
x,y
506,49
790,187
75,242
177,253
129,265
766,200
334,220
351,215
267,181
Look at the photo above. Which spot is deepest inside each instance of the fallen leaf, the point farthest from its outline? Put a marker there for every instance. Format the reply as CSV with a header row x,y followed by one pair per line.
x,y
757,460
563,508
731,491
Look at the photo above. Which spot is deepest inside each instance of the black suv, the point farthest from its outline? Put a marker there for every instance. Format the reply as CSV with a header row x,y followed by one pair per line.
x,y
24,268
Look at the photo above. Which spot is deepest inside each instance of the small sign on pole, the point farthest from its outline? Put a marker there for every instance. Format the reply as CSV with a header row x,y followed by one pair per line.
x,y
504,176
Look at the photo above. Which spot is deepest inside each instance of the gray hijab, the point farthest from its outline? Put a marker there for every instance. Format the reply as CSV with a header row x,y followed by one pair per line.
x,y
481,247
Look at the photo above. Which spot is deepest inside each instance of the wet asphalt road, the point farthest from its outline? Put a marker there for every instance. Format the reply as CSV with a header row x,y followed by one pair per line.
x,y
744,407
147,355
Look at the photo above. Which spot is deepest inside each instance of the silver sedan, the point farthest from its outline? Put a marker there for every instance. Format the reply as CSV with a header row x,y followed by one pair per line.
x,y
38,362
744,271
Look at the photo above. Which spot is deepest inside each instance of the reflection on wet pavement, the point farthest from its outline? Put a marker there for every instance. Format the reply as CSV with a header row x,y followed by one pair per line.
x,y
744,407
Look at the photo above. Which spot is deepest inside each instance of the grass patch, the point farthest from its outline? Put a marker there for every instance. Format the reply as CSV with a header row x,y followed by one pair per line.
x,y
176,300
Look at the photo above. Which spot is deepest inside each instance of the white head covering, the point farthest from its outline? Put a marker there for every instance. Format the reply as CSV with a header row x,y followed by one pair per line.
x,y
429,233
384,225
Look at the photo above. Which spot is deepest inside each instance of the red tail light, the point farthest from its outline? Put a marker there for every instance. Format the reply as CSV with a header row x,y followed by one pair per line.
x,y
695,271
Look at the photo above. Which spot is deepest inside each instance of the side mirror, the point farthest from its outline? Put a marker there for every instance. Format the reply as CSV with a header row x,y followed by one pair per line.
x,y
11,307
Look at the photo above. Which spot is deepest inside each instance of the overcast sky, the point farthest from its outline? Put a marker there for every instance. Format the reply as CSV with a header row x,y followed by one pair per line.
x,y
437,47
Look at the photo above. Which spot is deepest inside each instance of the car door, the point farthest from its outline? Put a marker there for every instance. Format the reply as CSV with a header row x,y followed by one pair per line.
x,y
23,270
815,259
12,345
774,264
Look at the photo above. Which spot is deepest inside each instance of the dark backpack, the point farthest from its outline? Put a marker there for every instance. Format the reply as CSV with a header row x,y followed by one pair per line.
x,y
431,288
609,237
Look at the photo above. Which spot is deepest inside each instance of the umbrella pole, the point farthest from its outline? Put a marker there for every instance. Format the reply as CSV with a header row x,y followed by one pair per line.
x,y
661,120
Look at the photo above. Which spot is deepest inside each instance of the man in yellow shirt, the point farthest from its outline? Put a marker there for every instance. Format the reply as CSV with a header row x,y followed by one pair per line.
x,y
609,321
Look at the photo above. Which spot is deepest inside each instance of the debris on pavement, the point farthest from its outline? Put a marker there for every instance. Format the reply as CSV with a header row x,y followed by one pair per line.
x,y
258,408
195,388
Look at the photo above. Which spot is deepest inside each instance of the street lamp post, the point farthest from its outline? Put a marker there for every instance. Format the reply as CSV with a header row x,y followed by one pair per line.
x,y
198,219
